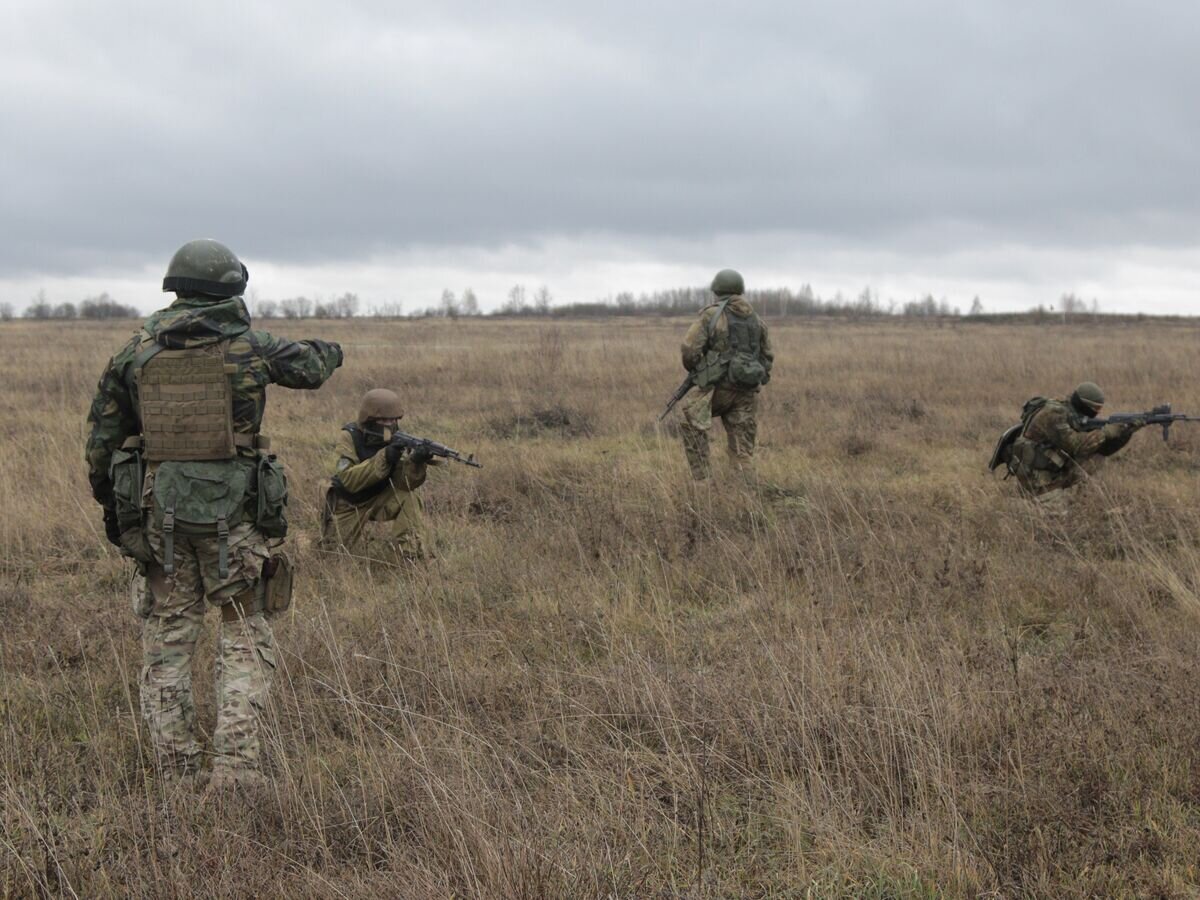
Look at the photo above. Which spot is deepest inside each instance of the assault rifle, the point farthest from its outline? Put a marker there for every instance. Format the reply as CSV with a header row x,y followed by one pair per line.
x,y
680,392
432,448
1160,415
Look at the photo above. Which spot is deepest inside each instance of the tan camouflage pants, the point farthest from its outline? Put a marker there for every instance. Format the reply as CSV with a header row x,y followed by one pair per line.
x,y
737,411
173,609
400,529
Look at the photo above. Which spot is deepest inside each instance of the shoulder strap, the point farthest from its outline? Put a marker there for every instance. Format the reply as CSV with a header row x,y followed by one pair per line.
x,y
147,350
711,325
1032,407
360,440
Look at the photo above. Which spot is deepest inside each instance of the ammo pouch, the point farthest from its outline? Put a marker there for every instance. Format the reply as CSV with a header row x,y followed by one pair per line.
x,y
277,573
271,492
711,370
1035,457
746,371
199,498
127,472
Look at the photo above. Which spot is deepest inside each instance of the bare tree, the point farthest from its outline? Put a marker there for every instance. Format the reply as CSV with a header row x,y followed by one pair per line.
x,y
448,305
39,308
542,300
516,301
470,303
346,305
1071,305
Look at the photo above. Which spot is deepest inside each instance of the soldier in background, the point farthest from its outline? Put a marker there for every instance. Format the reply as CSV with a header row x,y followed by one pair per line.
x,y
176,459
729,354
1053,449
372,508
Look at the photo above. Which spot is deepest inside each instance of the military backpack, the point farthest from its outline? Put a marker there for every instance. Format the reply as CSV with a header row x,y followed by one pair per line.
x,y
741,361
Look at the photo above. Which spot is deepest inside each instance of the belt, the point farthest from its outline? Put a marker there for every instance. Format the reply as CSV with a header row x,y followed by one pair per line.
x,y
245,441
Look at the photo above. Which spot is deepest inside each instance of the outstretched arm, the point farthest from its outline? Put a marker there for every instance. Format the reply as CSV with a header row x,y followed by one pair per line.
x,y
298,364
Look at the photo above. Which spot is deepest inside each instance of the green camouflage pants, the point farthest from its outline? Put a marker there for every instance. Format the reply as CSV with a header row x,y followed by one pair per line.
x,y
388,525
737,410
173,608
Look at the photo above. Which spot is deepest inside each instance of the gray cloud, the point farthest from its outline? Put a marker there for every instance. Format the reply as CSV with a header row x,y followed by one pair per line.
x,y
306,133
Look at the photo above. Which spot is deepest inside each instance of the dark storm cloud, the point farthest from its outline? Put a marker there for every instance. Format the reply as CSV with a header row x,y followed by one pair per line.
x,y
309,132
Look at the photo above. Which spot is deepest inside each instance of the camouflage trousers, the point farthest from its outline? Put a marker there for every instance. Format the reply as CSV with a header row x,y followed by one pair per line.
x,y
389,525
737,411
173,608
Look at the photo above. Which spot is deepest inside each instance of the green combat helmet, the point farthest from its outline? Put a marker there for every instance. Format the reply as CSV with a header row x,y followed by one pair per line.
x,y
1087,399
206,267
728,282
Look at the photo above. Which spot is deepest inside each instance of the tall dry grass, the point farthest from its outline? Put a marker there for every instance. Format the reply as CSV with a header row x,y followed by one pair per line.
x,y
879,674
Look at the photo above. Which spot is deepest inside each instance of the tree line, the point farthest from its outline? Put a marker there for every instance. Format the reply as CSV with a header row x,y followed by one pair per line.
x,y
522,302
100,307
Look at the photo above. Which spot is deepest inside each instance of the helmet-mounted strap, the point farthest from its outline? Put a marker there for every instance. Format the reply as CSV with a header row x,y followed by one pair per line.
x,y
182,285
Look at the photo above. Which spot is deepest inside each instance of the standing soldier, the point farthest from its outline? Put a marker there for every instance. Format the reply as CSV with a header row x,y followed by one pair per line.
x,y
176,459
375,481
1053,448
729,356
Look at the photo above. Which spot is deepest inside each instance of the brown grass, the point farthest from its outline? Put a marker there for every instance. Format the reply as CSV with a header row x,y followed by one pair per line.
x,y
878,675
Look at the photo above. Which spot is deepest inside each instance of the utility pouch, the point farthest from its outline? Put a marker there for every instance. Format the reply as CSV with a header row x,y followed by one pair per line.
x,y
746,371
136,545
199,498
127,473
277,573
271,489
711,369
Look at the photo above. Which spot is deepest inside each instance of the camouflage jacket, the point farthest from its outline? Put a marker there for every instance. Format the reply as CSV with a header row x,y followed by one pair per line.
x,y
367,476
261,359
697,340
1054,449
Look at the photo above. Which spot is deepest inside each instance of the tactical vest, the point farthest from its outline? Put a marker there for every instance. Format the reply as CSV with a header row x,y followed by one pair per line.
x,y
186,403
363,452
1032,455
185,400
741,361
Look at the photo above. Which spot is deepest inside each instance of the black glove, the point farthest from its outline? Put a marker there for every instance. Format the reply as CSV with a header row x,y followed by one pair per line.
x,y
422,456
392,453
112,530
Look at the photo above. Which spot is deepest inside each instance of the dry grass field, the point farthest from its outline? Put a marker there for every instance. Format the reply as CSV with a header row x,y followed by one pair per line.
x,y
877,673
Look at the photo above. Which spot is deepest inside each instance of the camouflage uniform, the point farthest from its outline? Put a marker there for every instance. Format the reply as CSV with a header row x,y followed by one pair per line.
x,y
737,406
1055,452
173,605
368,489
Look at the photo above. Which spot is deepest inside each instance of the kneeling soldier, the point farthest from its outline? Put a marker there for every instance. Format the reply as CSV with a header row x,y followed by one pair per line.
x,y
1056,445
374,482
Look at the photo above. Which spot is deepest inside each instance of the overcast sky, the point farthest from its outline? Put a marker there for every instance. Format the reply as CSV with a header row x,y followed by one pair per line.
x,y
1012,149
